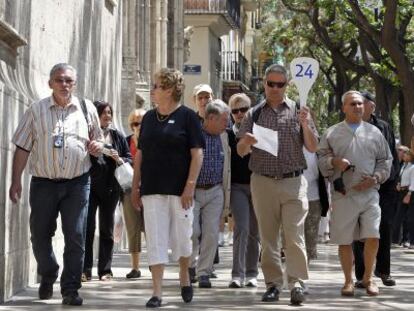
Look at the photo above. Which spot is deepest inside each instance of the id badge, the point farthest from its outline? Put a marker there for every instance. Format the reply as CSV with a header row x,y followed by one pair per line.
x,y
58,141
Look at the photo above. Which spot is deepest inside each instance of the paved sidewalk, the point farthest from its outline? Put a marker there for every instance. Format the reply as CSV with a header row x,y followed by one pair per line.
x,y
325,283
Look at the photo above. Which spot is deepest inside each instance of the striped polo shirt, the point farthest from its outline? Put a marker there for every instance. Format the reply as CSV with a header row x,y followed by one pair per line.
x,y
37,131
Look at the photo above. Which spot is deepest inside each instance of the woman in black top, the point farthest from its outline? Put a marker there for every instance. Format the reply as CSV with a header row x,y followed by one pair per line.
x,y
105,193
246,236
166,167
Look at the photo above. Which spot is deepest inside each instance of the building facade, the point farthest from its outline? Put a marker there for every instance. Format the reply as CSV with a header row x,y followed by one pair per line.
x,y
222,45
116,45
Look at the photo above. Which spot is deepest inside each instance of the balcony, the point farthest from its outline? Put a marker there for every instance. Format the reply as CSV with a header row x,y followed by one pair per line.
x,y
235,67
10,41
229,9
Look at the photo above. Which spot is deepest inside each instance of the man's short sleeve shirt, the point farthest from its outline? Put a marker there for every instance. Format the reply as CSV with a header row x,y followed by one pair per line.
x,y
284,120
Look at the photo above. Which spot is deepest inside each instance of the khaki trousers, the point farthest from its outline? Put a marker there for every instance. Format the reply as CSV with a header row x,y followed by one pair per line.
x,y
281,203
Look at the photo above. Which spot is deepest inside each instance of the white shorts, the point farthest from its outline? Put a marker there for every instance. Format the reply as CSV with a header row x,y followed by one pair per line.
x,y
167,225
355,217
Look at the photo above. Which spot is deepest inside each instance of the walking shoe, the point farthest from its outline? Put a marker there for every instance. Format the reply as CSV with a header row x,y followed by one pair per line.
x,y
86,276
372,288
45,291
213,275
348,290
133,274
359,284
235,283
72,299
297,296
154,302
406,244
187,293
386,279
204,281
271,294
252,282
192,273
395,245
106,277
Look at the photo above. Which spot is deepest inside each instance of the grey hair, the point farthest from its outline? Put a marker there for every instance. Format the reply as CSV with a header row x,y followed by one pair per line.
x,y
62,66
239,98
349,93
276,68
216,107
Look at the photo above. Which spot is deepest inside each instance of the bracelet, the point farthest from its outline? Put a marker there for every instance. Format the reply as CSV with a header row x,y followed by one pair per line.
x,y
191,182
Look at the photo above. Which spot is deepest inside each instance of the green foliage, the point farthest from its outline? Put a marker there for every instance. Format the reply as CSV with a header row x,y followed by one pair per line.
x,y
288,32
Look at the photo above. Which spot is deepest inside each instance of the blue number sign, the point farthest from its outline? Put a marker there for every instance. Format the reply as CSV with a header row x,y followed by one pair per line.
x,y
304,72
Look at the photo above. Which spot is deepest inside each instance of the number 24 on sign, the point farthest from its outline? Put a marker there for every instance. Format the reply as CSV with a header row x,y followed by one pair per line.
x,y
304,71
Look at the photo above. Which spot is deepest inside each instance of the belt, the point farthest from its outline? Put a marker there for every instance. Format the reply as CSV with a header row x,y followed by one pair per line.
x,y
206,187
57,180
286,175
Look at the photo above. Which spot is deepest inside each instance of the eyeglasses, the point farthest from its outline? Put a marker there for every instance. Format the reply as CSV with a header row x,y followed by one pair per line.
x,y
61,81
273,84
136,124
237,110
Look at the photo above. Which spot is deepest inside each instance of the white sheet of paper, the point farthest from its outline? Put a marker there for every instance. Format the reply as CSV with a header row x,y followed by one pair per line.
x,y
267,139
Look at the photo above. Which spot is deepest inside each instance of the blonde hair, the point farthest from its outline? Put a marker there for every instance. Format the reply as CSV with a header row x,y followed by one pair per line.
x,y
135,113
171,78
239,97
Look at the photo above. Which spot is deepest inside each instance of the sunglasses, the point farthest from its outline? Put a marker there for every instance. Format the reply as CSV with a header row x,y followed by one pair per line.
x,y
273,84
237,110
135,123
61,81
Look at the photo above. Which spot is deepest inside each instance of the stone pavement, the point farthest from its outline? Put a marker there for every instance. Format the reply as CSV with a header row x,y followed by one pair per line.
x,y
325,283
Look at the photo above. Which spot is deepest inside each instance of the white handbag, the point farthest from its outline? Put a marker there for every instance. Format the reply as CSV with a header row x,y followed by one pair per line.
x,y
124,174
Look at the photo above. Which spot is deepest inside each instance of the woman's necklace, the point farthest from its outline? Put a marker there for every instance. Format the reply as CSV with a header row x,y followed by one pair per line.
x,y
163,117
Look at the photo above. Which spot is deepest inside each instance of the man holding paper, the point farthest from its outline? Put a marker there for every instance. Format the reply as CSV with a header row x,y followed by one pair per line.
x,y
277,184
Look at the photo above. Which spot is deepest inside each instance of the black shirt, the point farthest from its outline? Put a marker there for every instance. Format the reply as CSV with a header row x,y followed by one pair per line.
x,y
388,133
166,154
240,172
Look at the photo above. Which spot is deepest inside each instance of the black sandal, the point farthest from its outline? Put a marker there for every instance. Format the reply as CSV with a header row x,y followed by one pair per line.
x,y
187,293
154,302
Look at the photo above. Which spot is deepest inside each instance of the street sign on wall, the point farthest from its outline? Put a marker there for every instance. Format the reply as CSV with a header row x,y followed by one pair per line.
x,y
192,69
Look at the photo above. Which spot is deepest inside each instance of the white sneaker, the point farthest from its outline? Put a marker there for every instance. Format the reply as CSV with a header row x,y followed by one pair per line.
x,y
395,245
252,282
235,283
406,244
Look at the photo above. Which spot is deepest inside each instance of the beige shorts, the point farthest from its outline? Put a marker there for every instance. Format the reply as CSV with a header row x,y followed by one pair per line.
x,y
167,226
354,217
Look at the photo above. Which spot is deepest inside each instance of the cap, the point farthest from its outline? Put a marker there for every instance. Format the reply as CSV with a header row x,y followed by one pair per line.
x,y
368,96
202,88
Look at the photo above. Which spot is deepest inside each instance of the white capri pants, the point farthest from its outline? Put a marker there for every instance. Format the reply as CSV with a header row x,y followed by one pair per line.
x,y
167,225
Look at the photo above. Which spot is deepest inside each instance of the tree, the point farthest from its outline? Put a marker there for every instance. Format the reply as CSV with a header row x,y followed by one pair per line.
x,y
357,46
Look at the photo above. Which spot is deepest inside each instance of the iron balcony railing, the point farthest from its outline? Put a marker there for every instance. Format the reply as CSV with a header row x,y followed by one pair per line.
x,y
229,8
234,67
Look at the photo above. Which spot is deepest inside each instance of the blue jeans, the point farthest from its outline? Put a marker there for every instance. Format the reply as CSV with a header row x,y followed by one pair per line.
x,y
48,198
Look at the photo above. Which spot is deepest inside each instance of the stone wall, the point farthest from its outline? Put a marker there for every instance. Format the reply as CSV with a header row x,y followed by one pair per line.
x,y
84,33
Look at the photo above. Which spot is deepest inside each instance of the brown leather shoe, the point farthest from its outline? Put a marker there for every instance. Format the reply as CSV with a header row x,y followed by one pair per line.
x,y
348,290
372,288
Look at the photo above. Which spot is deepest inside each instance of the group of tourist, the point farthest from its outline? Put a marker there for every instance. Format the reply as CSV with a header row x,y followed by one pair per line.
x,y
191,167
